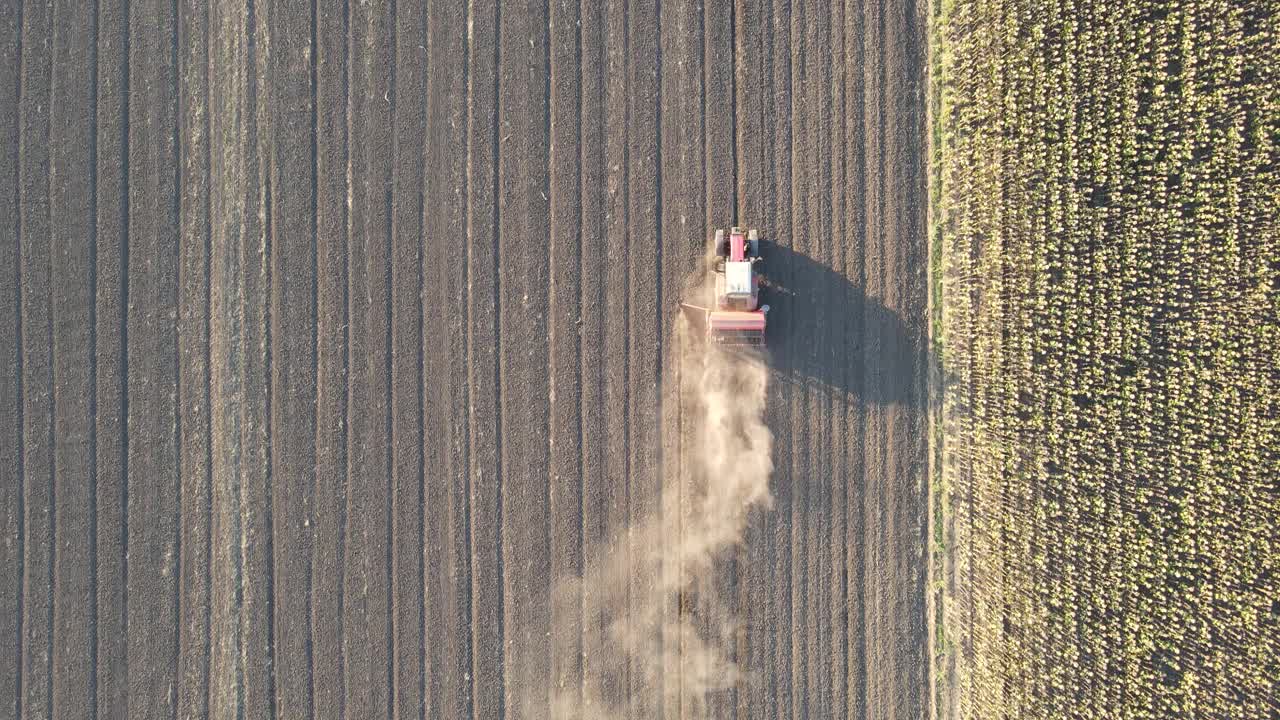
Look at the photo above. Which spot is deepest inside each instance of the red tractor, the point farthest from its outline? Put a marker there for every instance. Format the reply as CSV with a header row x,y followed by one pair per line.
x,y
736,317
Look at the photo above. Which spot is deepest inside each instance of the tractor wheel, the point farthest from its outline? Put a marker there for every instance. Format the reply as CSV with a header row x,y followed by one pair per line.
x,y
722,246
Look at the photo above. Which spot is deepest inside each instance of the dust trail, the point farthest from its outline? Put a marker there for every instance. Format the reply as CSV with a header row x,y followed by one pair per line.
x,y
652,593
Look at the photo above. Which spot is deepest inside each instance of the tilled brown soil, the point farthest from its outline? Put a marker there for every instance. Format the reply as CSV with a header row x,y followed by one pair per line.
x,y
334,336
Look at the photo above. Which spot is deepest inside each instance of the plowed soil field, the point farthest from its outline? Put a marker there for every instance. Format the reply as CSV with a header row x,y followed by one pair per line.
x,y
335,343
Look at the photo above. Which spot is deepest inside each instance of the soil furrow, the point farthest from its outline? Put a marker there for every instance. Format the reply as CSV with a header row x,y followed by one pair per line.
x,y
332,362
565,311
71,285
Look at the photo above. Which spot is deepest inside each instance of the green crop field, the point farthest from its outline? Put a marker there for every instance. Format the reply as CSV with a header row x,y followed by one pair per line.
x,y
1108,179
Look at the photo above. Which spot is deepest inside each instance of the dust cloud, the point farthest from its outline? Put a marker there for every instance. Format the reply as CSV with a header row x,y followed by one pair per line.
x,y
657,636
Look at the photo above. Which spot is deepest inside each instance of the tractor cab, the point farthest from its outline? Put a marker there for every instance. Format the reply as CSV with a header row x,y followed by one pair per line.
x,y
736,287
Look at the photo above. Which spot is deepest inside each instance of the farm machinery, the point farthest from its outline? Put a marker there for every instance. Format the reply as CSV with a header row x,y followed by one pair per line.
x,y
735,316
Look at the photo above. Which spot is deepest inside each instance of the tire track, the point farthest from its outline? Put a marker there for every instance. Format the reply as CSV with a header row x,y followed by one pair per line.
x,y
718,116
854,218
35,623
612,677
12,480
845,430
71,286
564,107
151,360
812,475
408,100
110,242
367,574
113,238
874,452
523,352
256,540
448,627
779,140
750,166
644,230
802,476
229,216
333,320
683,200
595,254
194,381
483,346
292,349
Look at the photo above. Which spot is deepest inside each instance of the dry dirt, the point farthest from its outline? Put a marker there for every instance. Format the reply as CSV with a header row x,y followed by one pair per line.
x,y
340,356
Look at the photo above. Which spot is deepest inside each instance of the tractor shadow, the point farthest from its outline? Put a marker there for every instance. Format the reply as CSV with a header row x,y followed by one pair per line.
x,y
825,330
848,406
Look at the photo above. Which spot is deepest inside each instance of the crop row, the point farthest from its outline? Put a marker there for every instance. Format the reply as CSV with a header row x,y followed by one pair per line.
x,y
1110,189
